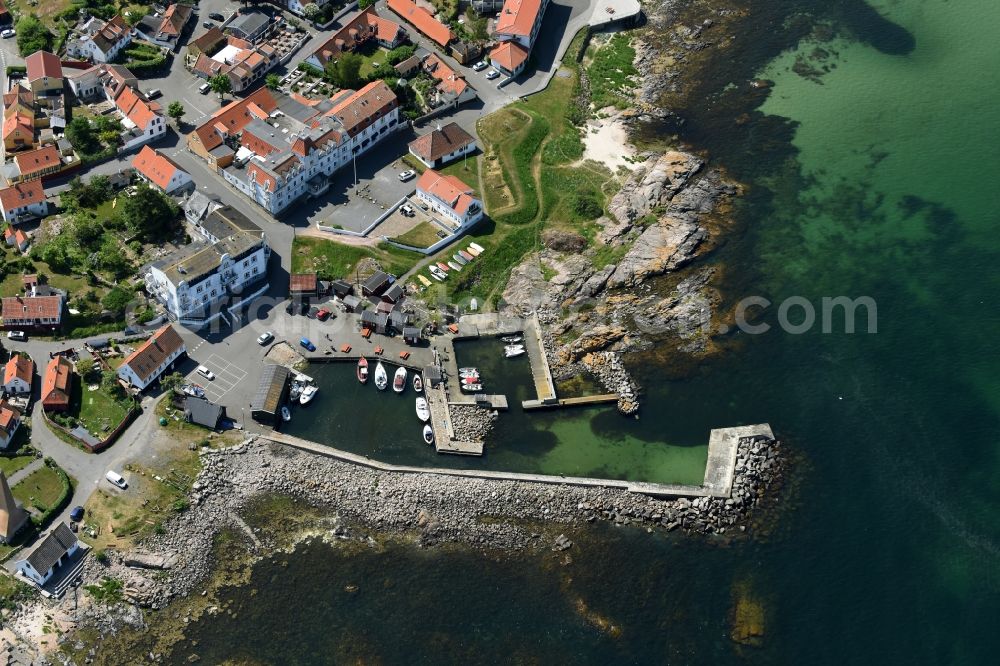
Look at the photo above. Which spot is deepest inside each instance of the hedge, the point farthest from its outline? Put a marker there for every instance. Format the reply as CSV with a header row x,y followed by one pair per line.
x,y
16,69
63,500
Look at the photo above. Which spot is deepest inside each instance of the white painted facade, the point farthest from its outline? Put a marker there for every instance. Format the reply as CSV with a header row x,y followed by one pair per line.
x,y
127,374
154,130
42,577
473,213
14,215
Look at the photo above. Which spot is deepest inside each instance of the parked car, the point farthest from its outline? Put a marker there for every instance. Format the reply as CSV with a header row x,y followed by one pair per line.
x,y
17,335
206,373
216,16
76,515
208,25
406,175
312,312
479,66
492,74
306,343
204,88
7,33
116,479
265,337
323,314
153,93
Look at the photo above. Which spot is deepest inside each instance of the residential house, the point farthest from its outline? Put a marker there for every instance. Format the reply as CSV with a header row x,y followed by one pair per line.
x,y
23,201
466,52
18,373
409,66
203,413
37,163
366,27
411,335
451,87
450,198
5,17
296,6
249,25
171,26
102,81
19,119
101,41
44,74
54,551
161,172
394,293
376,284
57,385
341,288
32,312
352,303
21,241
303,286
13,517
369,319
516,29
142,120
10,421
279,150
442,145
195,283
422,20
154,357
245,64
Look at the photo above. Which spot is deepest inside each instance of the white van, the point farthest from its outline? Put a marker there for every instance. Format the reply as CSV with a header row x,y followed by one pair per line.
x,y
204,88
206,373
116,479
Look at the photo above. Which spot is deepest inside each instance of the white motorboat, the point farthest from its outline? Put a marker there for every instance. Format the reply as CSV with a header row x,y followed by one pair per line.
x,y
381,379
513,351
308,393
468,373
472,387
296,391
418,383
423,413
285,414
463,371
436,276
428,434
399,380
437,273
477,247
512,339
455,266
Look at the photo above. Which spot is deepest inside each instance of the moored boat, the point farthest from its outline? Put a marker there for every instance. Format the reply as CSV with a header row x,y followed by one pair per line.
x,y
428,434
285,414
477,247
308,393
418,383
399,380
511,339
471,380
424,281
459,258
472,251
296,391
455,267
381,379
468,370
472,387
437,273
423,412
363,370
466,255
443,267
512,351
472,373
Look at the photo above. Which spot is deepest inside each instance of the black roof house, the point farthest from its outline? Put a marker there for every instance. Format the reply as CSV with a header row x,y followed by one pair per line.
x,y
341,288
369,319
203,412
377,284
52,549
411,335
271,392
393,293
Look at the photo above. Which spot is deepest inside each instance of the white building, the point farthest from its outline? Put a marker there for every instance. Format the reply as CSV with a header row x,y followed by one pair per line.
x,y
23,201
10,421
53,552
442,145
157,355
161,172
450,198
195,283
285,155
18,373
101,41
516,29
142,120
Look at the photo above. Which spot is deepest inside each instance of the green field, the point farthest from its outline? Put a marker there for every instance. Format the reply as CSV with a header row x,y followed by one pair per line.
x,y
41,489
422,235
333,260
10,464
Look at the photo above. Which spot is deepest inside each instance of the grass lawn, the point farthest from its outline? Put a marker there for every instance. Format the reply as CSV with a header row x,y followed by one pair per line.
x,y
10,464
42,488
45,10
372,56
611,73
97,410
332,260
466,171
422,235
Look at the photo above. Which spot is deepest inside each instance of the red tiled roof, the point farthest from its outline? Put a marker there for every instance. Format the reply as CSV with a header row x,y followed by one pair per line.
x,y
509,55
8,414
25,193
20,238
155,166
136,109
42,63
234,117
38,160
359,109
300,282
174,19
517,17
32,307
18,122
363,27
434,145
57,382
449,81
146,359
422,20
449,189
18,367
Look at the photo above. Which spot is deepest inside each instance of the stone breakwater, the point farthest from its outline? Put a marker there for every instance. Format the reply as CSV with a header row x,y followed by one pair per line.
x,y
472,423
434,508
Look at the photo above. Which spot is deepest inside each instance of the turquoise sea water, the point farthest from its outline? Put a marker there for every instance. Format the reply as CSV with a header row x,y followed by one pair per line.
x,y
889,549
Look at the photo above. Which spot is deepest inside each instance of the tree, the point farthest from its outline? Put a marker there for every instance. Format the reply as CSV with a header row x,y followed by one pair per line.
x,y
117,300
221,84
176,111
109,382
172,382
346,71
148,212
86,230
81,134
272,81
32,35
110,258
311,10
84,367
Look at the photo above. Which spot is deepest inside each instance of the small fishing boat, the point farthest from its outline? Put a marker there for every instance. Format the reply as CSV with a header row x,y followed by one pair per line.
x,y
424,281
472,387
194,390
308,393
455,267
285,414
477,247
472,251
471,380
381,379
474,374
296,391
423,413
399,380
363,370
437,273
443,266
511,339
513,351
466,255
428,434
470,371
459,258
418,383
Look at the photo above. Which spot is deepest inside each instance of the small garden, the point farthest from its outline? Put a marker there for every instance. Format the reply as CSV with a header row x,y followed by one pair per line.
x,y
144,59
332,260
44,492
98,402
94,139
423,235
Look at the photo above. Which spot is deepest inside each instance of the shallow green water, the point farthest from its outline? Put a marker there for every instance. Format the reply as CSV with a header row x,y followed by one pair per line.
x,y
890,549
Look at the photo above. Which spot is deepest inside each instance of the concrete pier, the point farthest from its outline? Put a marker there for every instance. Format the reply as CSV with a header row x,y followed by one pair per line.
x,y
601,399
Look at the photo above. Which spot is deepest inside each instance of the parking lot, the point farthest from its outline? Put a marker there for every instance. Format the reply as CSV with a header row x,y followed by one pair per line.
x,y
228,375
